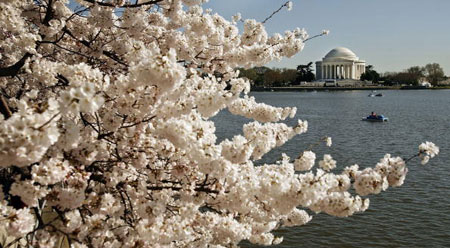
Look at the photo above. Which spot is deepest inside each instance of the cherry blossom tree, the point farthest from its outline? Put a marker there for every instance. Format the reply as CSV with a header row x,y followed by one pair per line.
x,y
106,138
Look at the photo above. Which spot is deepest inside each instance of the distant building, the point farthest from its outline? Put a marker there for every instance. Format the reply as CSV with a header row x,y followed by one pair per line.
x,y
340,63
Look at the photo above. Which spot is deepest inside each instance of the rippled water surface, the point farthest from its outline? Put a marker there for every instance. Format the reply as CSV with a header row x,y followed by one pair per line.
x,y
414,215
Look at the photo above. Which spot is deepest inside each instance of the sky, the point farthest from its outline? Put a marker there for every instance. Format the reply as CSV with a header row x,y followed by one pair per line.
x,y
391,35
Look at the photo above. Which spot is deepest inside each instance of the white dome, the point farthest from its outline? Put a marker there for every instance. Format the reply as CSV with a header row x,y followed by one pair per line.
x,y
341,53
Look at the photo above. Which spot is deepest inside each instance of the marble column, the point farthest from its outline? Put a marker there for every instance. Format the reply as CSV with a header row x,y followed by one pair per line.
x,y
343,72
329,72
335,71
338,73
353,71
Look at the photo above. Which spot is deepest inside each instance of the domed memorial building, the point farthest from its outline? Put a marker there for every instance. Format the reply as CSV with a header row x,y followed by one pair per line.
x,y
340,63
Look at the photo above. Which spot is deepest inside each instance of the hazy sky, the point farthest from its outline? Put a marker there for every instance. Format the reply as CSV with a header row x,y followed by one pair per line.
x,y
392,35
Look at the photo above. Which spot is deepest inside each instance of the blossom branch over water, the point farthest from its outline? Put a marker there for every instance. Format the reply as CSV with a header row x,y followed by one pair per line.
x,y
106,138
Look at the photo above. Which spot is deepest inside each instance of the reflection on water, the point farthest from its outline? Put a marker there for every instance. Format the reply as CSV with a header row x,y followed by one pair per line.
x,y
414,215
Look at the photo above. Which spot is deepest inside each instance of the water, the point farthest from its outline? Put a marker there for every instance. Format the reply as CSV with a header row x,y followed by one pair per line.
x,y
414,215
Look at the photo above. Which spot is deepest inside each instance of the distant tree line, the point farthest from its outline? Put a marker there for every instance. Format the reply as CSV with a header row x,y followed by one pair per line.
x,y
431,73
281,77
278,77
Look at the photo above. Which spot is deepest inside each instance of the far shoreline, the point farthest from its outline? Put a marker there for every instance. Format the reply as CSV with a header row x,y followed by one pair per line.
x,y
368,88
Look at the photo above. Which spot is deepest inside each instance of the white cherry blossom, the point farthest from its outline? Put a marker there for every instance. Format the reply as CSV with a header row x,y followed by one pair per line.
x,y
106,136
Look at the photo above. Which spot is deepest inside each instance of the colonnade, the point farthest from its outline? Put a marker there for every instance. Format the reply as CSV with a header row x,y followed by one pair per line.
x,y
342,71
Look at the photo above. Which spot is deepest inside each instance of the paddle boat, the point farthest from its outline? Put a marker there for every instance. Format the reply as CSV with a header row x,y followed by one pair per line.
x,y
375,118
373,94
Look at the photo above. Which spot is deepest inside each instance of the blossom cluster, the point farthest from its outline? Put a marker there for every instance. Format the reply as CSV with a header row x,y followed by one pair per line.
x,y
106,138
427,150
26,136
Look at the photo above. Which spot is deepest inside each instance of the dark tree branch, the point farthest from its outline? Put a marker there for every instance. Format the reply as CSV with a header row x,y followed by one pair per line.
x,y
4,109
21,91
87,123
139,122
86,43
276,11
14,69
197,189
39,217
49,14
114,57
136,5
62,80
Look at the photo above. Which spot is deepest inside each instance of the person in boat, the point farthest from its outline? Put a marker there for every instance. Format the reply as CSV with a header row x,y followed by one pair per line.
x,y
374,115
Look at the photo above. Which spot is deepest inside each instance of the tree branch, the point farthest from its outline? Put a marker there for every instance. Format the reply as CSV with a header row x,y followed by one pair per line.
x,y
4,109
276,11
49,14
197,189
136,5
14,69
108,54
